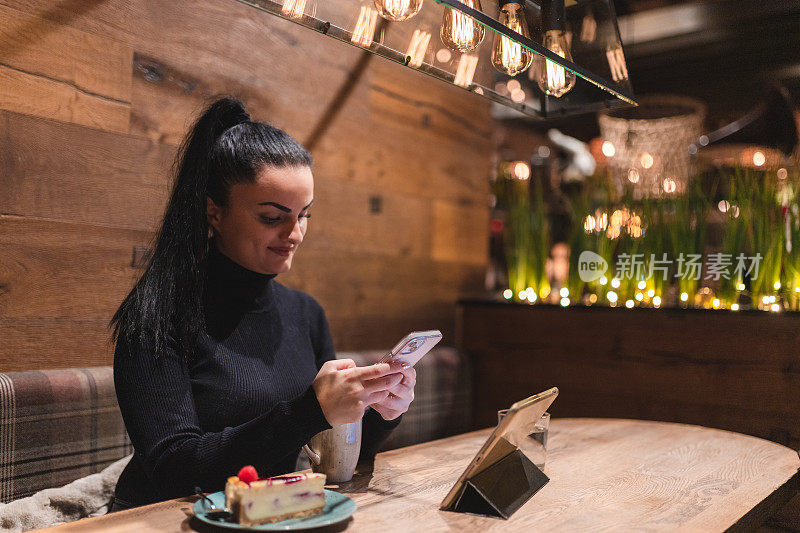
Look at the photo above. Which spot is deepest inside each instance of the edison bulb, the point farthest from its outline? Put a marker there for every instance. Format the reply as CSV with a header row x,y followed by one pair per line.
x,y
555,80
461,32
398,10
508,56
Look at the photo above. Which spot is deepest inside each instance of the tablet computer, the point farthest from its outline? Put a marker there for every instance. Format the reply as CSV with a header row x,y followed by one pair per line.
x,y
507,436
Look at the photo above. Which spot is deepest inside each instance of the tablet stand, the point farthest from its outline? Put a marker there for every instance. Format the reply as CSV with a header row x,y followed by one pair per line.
x,y
502,488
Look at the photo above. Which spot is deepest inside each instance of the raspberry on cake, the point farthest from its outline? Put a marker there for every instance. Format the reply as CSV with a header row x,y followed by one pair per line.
x,y
274,499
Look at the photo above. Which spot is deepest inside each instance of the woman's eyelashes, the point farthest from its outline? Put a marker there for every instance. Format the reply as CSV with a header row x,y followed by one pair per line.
x,y
271,221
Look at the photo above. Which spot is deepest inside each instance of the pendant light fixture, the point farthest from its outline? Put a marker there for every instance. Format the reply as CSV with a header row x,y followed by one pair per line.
x,y
508,56
573,81
554,79
461,32
398,10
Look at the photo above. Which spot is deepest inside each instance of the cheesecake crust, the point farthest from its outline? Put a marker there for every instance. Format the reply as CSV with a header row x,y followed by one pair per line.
x,y
278,518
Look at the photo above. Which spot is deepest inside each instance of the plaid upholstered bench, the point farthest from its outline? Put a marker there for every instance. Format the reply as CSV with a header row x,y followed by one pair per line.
x,y
60,425
57,426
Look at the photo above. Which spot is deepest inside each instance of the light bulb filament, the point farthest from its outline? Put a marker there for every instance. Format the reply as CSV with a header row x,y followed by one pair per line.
x,y
556,76
397,10
511,53
588,28
463,29
365,27
466,70
418,47
294,8
616,61
397,7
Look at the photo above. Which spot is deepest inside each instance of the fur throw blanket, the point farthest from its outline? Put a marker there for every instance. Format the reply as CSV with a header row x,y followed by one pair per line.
x,y
87,496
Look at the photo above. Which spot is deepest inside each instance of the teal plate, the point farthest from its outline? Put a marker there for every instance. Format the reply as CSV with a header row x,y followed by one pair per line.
x,y
338,507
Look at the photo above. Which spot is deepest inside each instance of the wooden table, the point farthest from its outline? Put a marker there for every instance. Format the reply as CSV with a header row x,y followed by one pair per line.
x,y
606,474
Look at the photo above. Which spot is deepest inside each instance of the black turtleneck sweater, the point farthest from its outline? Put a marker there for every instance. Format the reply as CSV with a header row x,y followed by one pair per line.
x,y
244,398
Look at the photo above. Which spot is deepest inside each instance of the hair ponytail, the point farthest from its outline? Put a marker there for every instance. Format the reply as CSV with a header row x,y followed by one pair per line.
x,y
222,148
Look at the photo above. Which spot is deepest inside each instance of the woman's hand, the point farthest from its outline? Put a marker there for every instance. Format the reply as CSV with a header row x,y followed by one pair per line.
x,y
344,391
399,398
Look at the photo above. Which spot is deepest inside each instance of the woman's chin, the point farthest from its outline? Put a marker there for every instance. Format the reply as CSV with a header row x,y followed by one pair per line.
x,y
279,267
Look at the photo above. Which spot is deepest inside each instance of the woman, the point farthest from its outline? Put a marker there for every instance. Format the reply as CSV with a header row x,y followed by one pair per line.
x,y
217,365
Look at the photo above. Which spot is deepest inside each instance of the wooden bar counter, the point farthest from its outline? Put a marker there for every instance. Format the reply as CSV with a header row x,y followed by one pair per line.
x,y
606,474
723,369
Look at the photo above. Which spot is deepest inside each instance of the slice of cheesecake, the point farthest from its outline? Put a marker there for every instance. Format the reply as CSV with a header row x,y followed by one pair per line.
x,y
276,498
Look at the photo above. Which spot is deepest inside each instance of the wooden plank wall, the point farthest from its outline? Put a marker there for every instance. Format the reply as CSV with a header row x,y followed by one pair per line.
x,y
95,96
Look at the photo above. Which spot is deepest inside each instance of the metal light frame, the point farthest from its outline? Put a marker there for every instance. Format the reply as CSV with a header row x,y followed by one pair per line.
x,y
537,48
545,107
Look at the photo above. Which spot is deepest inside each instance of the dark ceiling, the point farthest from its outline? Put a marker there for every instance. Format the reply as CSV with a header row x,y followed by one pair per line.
x,y
724,52
725,55
626,7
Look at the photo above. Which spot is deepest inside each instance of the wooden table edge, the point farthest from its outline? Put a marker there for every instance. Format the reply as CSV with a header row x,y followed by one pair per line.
x,y
753,518
769,506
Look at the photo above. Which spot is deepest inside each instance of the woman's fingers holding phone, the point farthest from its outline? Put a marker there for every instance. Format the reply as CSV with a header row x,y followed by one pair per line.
x,y
340,390
391,407
344,390
400,398
364,373
376,397
403,390
340,364
407,383
409,377
382,383
395,403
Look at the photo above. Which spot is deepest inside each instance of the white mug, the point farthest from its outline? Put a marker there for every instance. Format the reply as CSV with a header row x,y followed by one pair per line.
x,y
334,452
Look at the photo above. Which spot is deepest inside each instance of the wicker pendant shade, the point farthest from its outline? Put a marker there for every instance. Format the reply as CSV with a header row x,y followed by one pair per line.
x,y
648,151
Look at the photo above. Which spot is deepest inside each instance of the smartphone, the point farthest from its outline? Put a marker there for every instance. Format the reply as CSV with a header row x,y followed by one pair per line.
x,y
413,346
